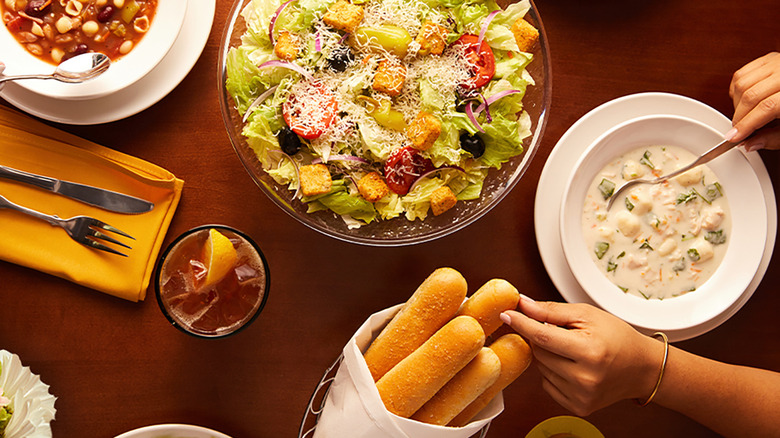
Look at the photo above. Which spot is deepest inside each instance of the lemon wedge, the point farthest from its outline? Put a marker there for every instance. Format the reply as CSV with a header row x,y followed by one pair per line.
x,y
220,257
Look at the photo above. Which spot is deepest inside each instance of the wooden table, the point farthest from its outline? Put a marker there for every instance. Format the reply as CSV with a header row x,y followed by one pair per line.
x,y
116,365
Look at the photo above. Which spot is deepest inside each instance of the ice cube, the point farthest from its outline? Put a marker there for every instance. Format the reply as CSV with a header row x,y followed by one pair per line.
x,y
245,272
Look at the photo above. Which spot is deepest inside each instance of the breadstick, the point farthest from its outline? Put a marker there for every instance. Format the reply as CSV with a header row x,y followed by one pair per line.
x,y
489,301
434,303
417,378
463,389
515,356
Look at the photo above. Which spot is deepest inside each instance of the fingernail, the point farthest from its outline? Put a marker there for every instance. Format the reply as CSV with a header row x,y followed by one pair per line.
x,y
526,298
731,134
505,318
754,146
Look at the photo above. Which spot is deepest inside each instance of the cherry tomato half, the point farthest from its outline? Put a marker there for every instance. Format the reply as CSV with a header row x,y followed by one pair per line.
x,y
310,109
481,58
403,168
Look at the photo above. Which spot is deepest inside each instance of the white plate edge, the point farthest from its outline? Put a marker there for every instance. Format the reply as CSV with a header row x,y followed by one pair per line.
x,y
548,238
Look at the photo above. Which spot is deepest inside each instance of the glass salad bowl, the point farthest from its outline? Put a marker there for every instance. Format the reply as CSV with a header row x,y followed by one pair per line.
x,y
397,231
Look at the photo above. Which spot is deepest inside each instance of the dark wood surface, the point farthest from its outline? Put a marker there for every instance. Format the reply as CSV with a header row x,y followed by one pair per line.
x,y
116,365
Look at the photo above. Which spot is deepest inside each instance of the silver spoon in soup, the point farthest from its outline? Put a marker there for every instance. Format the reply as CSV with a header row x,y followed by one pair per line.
x,y
77,69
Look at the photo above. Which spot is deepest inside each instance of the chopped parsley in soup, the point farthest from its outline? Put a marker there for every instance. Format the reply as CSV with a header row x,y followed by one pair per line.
x,y
664,240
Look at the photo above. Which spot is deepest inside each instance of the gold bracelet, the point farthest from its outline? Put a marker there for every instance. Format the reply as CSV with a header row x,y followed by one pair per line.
x,y
663,367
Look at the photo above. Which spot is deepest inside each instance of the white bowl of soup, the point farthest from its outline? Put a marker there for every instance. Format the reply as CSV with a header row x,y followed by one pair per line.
x,y
39,34
667,256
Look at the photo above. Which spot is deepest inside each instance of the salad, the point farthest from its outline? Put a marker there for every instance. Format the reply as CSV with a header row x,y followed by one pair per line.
x,y
376,109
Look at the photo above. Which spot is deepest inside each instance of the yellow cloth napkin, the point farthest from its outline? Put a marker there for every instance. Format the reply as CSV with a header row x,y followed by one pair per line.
x,y
29,145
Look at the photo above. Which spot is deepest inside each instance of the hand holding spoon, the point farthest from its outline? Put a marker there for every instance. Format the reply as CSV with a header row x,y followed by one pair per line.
x,y
706,157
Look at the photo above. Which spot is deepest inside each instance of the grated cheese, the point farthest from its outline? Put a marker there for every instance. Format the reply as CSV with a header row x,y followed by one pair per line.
x,y
353,130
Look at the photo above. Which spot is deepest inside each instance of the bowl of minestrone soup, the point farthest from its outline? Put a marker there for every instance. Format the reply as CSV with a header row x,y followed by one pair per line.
x,y
40,34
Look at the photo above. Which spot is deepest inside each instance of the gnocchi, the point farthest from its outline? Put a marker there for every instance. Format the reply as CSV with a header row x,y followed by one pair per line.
x,y
663,240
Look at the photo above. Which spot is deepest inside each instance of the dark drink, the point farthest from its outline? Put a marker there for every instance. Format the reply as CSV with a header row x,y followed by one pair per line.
x,y
212,281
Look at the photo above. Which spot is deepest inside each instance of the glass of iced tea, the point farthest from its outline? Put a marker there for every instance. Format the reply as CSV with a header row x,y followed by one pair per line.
x,y
212,281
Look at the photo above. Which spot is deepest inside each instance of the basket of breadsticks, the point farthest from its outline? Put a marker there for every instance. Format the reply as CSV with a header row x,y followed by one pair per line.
x,y
426,368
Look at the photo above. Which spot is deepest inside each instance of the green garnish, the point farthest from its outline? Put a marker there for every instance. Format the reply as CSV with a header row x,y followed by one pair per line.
x,y
601,249
684,198
611,266
646,160
646,245
629,204
693,254
607,188
679,265
715,237
713,191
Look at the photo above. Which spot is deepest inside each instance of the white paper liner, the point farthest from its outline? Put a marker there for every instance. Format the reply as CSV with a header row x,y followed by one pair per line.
x,y
33,405
354,409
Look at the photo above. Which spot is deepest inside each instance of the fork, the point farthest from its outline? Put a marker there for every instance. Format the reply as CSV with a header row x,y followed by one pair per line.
x,y
83,229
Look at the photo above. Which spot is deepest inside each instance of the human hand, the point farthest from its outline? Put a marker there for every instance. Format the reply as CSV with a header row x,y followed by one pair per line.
x,y
588,358
755,90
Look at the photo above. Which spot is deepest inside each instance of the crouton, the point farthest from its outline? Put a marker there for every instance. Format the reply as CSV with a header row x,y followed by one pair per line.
x,y
389,77
344,16
424,130
286,47
372,187
431,39
525,34
442,199
315,179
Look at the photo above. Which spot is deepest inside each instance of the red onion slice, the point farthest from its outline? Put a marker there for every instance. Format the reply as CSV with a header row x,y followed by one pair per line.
x,y
273,20
258,101
295,166
487,109
485,24
495,97
472,117
342,158
438,169
289,65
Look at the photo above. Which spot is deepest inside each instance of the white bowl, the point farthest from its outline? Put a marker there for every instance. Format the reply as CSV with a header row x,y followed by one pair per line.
x,y
172,431
126,70
747,237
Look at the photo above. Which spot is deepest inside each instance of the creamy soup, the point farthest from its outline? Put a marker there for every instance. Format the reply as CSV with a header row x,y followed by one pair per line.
x,y
663,240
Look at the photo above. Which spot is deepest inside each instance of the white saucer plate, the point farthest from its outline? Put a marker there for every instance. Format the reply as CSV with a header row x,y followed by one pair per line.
x,y
574,143
172,431
135,98
152,48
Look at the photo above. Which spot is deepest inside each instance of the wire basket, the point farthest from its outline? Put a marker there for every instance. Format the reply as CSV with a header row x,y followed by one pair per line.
x,y
317,402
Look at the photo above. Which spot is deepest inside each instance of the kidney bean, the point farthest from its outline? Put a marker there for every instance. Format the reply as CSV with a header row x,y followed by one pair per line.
x,y
81,48
36,8
105,14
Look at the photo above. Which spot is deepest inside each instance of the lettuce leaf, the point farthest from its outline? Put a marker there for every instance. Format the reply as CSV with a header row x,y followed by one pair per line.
x,y
341,202
504,138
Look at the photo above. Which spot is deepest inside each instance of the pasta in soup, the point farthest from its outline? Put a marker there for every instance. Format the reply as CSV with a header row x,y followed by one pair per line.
x,y
55,30
663,240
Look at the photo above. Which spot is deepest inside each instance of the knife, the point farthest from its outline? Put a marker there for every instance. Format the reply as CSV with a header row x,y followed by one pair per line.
x,y
106,199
